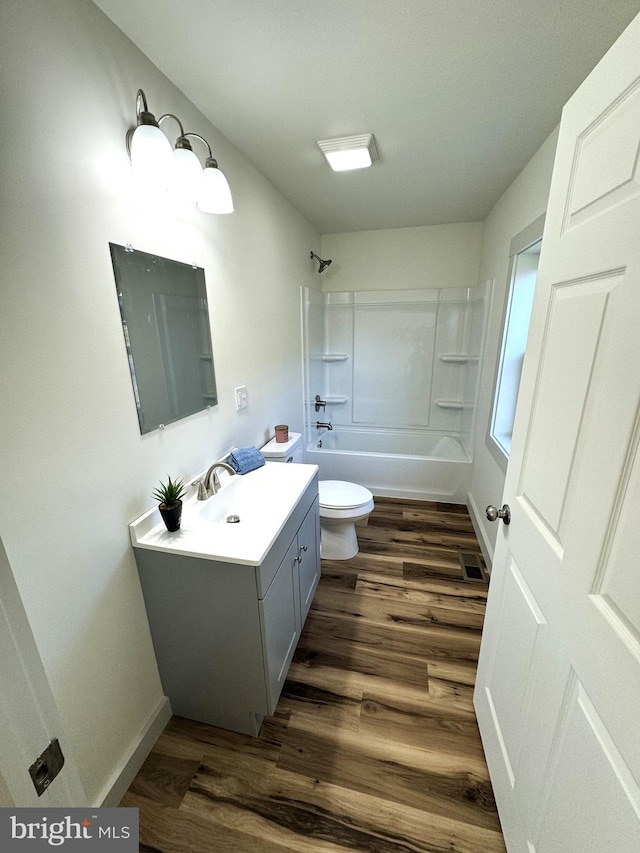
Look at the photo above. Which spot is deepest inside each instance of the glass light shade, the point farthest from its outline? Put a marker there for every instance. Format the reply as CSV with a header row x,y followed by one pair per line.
x,y
352,158
151,157
215,195
186,182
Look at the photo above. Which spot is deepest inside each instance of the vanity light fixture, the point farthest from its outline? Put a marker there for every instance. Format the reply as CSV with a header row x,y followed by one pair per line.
x,y
346,153
148,148
215,194
187,170
180,171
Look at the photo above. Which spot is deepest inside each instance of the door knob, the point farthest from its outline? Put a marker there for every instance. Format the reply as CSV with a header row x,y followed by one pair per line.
x,y
494,514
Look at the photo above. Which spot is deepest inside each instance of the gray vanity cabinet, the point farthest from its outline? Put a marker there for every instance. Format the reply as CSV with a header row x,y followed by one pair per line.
x,y
281,626
285,606
225,633
309,563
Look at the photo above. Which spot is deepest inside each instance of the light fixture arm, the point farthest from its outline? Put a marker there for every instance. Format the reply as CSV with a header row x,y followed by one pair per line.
x,y
175,118
211,160
143,116
181,141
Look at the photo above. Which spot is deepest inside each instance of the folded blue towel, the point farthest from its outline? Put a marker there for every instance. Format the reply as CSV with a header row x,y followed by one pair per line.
x,y
245,459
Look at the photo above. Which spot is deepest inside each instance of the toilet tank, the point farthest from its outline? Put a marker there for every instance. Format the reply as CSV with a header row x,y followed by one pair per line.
x,y
286,451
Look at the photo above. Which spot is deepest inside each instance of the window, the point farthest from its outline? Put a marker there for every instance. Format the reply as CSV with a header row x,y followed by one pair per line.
x,y
523,268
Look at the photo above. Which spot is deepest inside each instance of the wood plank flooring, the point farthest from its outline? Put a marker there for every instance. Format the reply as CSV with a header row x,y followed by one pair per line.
x,y
374,745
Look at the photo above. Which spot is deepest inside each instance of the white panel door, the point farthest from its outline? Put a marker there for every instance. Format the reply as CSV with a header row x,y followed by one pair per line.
x,y
558,688
29,718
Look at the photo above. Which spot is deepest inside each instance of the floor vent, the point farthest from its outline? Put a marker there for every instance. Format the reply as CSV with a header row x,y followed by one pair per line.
x,y
472,567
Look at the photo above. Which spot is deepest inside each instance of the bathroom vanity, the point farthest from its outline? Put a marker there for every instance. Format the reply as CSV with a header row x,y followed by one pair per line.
x,y
226,602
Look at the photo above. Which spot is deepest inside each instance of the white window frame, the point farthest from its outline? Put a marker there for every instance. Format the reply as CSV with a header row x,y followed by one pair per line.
x,y
523,241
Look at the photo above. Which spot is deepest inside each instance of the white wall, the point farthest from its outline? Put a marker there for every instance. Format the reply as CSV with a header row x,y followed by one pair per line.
x,y
524,201
403,258
73,463
6,800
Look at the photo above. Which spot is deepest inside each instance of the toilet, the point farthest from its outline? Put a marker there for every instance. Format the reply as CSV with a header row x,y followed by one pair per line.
x,y
342,504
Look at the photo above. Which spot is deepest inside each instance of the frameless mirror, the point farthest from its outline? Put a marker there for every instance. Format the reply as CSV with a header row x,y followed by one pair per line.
x,y
165,319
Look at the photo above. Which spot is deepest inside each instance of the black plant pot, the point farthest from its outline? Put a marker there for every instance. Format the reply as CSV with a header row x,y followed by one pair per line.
x,y
171,515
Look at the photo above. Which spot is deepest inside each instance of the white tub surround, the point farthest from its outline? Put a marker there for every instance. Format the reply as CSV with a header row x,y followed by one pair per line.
x,y
401,360
397,374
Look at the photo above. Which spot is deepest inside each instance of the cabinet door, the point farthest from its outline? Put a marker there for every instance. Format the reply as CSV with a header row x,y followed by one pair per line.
x,y
309,558
280,615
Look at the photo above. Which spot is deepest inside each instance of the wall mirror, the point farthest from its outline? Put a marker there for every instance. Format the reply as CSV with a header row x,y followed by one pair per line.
x,y
165,319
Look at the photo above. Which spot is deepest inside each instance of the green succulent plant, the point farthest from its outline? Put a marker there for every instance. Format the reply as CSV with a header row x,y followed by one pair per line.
x,y
171,493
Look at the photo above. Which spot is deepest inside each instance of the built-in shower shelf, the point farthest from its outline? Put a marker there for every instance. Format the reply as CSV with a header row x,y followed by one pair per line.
x,y
334,400
458,359
334,356
450,404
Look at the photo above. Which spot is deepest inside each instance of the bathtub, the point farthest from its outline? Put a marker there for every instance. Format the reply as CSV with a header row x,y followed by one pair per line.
x,y
394,464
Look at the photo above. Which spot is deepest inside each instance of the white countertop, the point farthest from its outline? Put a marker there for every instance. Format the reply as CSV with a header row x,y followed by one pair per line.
x,y
264,499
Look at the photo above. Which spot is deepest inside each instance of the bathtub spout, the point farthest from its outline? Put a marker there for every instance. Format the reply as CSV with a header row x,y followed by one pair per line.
x,y
320,425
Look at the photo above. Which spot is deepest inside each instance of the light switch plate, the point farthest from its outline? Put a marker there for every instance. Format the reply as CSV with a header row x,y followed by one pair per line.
x,y
242,398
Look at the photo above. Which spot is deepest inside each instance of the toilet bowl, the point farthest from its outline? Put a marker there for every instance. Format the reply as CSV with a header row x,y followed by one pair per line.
x,y
341,505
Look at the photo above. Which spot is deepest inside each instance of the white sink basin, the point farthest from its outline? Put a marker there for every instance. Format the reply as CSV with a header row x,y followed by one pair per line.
x,y
240,496
263,500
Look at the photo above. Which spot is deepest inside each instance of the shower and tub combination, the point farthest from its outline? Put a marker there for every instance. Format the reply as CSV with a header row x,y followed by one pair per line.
x,y
391,382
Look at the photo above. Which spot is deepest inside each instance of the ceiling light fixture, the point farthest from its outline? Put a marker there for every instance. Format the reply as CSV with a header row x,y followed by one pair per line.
x,y
157,167
346,153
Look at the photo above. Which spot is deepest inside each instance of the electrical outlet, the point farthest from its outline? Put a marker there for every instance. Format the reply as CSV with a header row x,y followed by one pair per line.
x,y
242,398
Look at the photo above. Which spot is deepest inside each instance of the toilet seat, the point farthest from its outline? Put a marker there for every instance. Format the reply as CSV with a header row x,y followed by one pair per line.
x,y
341,495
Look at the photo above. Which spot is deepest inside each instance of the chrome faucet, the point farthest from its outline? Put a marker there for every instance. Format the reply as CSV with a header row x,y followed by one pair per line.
x,y
210,483
320,425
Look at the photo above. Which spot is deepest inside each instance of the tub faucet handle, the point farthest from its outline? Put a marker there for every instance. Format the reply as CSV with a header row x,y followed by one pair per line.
x,y
320,425
320,404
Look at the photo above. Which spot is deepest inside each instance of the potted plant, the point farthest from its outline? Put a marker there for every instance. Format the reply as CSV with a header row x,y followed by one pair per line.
x,y
170,497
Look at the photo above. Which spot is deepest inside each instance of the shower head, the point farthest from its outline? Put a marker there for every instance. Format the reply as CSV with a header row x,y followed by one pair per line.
x,y
323,264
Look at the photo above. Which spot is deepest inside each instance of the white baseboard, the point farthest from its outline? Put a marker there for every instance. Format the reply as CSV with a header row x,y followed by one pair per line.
x,y
457,497
485,546
114,791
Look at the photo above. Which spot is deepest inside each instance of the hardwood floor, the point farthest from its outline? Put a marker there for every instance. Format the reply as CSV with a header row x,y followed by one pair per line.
x,y
374,744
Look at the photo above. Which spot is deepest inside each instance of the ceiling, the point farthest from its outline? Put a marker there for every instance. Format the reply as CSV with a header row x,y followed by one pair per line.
x,y
458,93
